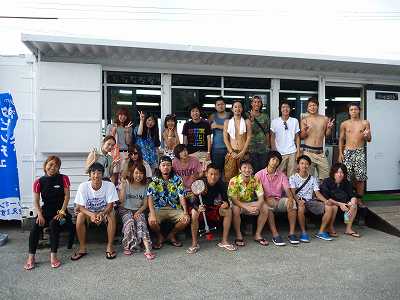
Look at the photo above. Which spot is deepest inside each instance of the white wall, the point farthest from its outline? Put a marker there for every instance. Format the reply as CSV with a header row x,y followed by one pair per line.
x,y
17,76
69,116
383,155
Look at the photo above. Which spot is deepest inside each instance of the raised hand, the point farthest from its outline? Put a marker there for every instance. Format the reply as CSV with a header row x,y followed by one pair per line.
x,y
141,115
331,122
130,124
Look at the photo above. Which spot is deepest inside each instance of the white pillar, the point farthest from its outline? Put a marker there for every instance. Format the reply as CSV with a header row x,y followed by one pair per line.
x,y
321,95
274,103
166,96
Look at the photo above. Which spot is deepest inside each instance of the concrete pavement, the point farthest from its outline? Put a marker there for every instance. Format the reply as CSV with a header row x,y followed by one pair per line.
x,y
347,268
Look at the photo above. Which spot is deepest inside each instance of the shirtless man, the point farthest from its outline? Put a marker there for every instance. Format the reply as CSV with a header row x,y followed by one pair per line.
x,y
353,135
237,135
314,128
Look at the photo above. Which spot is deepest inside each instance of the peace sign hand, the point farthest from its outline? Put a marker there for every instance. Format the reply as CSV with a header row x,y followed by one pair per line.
x,y
130,124
331,122
141,115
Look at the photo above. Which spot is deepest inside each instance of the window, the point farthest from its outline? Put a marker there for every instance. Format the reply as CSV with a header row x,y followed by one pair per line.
x,y
196,80
133,78
247,83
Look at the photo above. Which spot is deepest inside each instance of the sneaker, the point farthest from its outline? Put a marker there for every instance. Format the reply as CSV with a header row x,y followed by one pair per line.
x,y
278,241
323,236
293,239
304,237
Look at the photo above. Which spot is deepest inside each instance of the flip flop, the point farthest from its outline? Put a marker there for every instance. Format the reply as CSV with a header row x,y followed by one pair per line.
x,y
193,250
127,252
262,242
228,247
149,255
333,234
111,255
175,243
353,234
29,265
55,264
78,255
157,246
240,243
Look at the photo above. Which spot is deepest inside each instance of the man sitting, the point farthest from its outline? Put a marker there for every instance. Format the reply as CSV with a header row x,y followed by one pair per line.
x,y
95,200
303,185
216,207
167,203
275,183
241,190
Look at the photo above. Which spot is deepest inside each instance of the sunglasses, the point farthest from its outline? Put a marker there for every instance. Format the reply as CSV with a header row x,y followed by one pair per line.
x,y
285,124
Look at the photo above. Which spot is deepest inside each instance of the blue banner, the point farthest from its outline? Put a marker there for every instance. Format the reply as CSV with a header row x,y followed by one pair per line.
x,y
10,207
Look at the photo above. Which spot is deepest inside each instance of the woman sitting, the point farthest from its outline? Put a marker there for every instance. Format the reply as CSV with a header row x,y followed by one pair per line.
x,y
133,197
53,188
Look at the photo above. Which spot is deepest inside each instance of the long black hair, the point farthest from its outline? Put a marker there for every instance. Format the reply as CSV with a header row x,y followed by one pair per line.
x,y
152,132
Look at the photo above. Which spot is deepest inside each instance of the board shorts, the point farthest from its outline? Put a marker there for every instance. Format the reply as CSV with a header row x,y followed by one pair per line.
x,y
356,164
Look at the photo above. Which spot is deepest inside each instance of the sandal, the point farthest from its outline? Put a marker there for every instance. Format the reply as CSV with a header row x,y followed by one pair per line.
x,y
228,247
157,246
353,234
262,241
175,243
333,234
193,250
55,264
78,255
111,254
240,243
127,252
29,265
149,255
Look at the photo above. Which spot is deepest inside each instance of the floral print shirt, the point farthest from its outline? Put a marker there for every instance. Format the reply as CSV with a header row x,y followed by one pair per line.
x,y
166,193
249,192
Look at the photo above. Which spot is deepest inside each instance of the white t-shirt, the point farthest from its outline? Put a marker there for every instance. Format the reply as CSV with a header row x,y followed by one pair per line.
x,y
296,181
284,138
96,201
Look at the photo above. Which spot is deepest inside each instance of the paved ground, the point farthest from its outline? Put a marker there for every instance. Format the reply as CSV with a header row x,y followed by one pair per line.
x,y
366,268
390,212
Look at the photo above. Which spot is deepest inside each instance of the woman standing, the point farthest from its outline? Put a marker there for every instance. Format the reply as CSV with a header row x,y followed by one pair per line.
x,y
170,135
121,130
147,137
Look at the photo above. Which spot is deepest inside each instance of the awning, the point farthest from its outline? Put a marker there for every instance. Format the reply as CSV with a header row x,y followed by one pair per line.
x,y
57,48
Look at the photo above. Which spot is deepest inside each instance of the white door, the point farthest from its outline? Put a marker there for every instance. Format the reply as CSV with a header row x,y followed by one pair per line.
x,y
383,153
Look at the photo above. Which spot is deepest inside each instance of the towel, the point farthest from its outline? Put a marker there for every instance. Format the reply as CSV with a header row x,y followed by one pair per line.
x,y
231,127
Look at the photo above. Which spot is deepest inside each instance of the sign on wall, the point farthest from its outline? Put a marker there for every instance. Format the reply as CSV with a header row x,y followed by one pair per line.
x,y
10,208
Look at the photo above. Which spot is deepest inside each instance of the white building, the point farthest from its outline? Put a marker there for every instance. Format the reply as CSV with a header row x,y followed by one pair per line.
x,y
70,88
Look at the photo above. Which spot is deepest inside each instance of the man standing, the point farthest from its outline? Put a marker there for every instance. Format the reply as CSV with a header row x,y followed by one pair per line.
x,y
167,203
314,128
285,138
354,133
259,142
237,135
197,136
217,119
95,200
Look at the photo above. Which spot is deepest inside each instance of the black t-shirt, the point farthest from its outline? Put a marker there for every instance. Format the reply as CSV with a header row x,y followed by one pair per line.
x,y
52,192
196,134
215,194
340,193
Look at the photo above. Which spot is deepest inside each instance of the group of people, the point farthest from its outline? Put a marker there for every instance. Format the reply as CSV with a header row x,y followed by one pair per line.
x,y
249,166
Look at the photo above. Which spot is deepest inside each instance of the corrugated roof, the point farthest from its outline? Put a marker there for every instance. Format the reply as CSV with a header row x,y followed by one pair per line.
x,y
59,47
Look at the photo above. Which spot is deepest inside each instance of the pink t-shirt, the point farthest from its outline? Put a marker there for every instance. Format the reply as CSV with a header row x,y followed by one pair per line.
x,y
273,185
187,171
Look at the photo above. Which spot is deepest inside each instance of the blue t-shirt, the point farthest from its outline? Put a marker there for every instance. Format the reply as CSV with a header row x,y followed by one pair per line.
x,y
218,134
